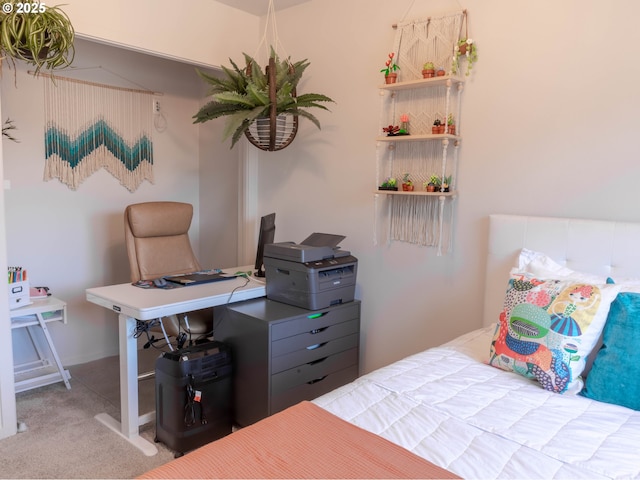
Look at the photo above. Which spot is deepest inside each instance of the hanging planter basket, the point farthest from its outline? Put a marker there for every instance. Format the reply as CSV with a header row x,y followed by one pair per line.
x,y
271,136
274,132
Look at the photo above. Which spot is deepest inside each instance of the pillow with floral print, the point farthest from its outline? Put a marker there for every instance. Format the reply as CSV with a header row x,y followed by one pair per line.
x,y
547,327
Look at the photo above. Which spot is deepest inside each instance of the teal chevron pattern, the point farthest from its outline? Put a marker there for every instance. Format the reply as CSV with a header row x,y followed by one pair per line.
x,y
100,134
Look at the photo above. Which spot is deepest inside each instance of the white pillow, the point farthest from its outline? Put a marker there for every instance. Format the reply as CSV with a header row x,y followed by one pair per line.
x,y
543,266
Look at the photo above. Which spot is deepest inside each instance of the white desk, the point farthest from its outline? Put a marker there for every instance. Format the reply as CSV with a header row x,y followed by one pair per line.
x,y
42,371
131,303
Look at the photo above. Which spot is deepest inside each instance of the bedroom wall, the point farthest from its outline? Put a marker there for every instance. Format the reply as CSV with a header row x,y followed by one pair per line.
x,y
71,240
549,117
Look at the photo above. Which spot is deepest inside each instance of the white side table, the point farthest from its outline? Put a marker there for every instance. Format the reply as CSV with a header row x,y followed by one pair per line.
x,y
43,371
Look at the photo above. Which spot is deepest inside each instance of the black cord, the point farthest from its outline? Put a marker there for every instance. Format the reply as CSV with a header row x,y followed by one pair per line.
x,y
191,405
144,327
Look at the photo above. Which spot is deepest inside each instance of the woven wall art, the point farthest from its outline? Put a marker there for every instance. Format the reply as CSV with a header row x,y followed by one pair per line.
x,y
90,126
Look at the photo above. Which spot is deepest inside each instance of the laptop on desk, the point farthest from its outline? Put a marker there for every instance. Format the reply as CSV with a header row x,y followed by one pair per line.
x,y
198,278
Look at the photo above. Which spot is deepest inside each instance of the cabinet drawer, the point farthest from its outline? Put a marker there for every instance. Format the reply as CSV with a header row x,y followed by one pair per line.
x,y
314,352
313,337
312,389
315,320
313,372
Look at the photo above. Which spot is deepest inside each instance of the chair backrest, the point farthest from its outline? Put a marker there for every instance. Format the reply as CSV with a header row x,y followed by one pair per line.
x,y
157,239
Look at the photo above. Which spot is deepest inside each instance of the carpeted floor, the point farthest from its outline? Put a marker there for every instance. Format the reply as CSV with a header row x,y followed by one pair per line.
x,y
64,440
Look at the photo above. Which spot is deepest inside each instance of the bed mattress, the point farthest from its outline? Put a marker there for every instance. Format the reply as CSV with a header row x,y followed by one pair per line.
x,y
448,406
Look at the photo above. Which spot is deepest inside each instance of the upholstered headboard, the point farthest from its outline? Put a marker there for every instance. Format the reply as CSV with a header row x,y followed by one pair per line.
x,y
595,246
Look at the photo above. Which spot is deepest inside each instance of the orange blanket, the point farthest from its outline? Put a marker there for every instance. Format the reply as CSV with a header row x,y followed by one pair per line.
x,y
303,441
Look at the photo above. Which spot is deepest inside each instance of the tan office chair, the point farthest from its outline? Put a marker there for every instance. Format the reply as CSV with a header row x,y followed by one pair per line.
x,y
156,235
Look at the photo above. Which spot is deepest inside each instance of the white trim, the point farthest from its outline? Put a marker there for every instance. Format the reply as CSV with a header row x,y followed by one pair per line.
x,y
8,416
247,203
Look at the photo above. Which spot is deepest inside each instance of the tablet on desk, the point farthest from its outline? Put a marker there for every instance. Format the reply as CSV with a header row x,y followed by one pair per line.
x,y
199,277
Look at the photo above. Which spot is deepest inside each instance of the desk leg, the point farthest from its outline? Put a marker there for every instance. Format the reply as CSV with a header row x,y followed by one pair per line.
x,y
129,425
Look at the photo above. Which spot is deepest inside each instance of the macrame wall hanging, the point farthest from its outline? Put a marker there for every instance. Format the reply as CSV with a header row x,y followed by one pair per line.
x,y
414,219
90,126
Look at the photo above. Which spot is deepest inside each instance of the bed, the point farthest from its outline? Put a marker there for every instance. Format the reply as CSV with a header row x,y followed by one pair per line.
x,y
480,406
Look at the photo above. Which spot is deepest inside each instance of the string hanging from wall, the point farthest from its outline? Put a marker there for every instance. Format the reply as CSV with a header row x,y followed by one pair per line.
x,y
90,126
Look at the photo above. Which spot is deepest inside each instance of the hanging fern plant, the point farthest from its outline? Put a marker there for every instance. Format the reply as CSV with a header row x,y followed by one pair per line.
x,y
249,94
35,33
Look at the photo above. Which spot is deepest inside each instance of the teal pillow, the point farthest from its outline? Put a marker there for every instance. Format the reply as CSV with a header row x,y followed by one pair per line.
x,y
615,375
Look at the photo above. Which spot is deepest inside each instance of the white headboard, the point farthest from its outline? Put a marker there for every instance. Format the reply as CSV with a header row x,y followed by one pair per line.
x,y
595,246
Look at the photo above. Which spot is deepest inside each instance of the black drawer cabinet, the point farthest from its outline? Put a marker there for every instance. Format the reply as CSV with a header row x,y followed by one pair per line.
x,y
284,354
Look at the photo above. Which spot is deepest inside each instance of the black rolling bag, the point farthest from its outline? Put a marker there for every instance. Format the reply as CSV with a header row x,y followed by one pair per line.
x,y
193,396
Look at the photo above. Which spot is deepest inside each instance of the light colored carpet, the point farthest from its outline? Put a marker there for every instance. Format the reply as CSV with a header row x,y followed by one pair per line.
x,y
64,440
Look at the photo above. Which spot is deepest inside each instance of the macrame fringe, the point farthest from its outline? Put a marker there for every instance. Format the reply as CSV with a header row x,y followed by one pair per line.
x,y
91,126
56,167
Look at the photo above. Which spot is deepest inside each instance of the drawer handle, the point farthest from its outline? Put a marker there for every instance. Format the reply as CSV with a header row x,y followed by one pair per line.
x,y
317,345
317,330
315,362
311,382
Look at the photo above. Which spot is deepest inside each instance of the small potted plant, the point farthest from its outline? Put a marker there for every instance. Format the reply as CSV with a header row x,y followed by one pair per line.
x,y
432,184
404,124
446,183
451,125
391,130
428,70
464,48
407,184
389,70
389,183
440,72
435,129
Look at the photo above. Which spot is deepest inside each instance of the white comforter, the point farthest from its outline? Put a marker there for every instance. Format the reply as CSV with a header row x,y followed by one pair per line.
x,y
446,405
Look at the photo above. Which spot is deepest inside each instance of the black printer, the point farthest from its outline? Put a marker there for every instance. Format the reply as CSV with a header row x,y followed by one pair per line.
x,y
314,274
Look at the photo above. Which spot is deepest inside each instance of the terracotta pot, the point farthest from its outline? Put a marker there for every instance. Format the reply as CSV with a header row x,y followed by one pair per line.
x,y
463,49
428,73
441,73
435,130
407,188
431,188
441,129
451,129
391,78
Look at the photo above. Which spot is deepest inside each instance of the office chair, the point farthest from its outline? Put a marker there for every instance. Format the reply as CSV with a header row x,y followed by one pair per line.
x,y
156,235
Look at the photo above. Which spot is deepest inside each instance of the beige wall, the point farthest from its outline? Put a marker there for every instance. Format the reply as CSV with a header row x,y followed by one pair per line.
x,y
549,123
198,31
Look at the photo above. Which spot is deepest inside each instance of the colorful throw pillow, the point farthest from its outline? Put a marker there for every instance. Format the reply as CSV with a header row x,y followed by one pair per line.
x,y
547,328
615,374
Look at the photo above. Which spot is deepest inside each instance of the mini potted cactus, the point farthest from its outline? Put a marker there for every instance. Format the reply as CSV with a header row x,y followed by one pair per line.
x,y
407,184
389,183
428,70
